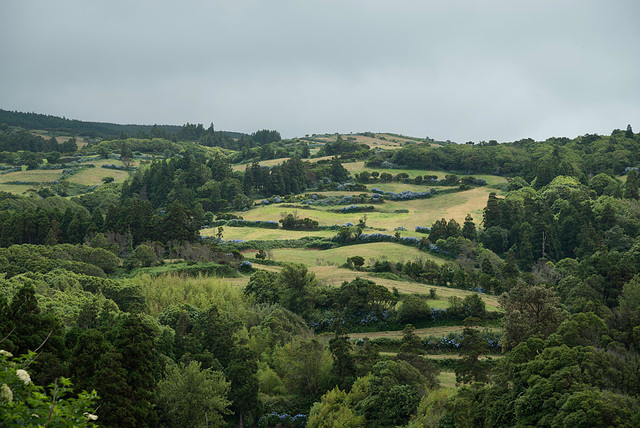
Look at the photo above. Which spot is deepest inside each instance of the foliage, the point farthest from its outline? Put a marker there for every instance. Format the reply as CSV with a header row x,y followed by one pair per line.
x,y
529,312
190,396
23,403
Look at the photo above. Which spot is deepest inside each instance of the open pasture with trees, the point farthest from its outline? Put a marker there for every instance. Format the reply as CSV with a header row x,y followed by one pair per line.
x,y
420,212
319,284
338,256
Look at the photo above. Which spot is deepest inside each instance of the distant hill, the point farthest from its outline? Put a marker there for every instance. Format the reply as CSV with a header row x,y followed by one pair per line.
x,y
91,129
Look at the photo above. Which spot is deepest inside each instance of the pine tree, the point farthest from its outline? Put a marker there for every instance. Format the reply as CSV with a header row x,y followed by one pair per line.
x,y
469,228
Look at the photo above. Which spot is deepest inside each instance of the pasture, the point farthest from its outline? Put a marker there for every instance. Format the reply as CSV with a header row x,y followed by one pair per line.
x,y
381,140
356,167
259,234
93,176
422,212
421,332
338,256
36,175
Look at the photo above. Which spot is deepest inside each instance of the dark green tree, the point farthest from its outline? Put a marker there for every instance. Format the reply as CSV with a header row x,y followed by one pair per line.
x,y
344,366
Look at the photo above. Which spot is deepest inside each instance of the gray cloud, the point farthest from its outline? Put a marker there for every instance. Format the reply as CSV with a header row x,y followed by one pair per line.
x,y
459,70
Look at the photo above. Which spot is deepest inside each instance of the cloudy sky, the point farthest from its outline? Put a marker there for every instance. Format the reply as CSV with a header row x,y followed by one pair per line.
x,y
458,70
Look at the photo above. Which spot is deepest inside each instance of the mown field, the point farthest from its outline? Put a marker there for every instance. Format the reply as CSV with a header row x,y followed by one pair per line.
x,y
379,140
338,256
93,176
87,176
258,234
421,332
422,212
356,167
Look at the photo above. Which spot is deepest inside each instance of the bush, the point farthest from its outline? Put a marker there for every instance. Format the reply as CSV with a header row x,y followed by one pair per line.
x,y
413,308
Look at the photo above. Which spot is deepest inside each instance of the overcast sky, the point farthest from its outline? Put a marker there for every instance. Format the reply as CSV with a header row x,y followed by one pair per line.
x,y
456,70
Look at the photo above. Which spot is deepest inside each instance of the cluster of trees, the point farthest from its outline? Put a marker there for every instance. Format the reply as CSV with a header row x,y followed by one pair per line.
x,y
348,148
14,139
76,127
215,358
590,154
55,220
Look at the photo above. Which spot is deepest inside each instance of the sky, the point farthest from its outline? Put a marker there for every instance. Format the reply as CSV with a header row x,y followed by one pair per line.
x,y
449,70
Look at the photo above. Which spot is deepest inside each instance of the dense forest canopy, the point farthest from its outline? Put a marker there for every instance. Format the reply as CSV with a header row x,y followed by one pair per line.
x,y
135,290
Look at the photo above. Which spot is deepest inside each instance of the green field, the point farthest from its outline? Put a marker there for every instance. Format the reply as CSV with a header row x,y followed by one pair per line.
x,y
422,212
447,379
356,167
93,176
259,234
338,256
421,332
37,175
87,176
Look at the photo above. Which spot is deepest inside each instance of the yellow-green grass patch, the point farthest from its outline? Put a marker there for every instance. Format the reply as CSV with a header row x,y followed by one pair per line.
x,y
80,142
16,189
447,379
422,212
270,162
273,162
445,356
93,176
421,332
36,175
356,167
338,256
259,234
380,140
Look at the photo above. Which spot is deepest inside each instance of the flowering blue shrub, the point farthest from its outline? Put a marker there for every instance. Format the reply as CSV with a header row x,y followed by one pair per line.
x,y
272,200
332,320
341,200
408,195
119,167
410,240
376,237
453,341
422,229
438,314
284,419
335,226
355,209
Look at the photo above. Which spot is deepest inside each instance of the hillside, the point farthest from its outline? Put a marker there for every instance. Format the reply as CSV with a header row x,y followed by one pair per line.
x,y
365,277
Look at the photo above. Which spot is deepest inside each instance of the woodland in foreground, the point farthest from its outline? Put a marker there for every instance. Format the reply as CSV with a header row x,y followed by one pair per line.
x,y
127,297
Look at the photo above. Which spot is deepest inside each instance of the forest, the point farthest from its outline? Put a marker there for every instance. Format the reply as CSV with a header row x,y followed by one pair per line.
x,y
179,276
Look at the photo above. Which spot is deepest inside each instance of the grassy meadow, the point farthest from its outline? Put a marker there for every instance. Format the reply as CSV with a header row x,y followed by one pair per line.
x,y
93,176
87,176
36,175
422,212
338,256
258,234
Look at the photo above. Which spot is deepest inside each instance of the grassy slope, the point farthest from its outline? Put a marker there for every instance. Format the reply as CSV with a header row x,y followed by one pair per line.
x,y
89,176
338,256
422,212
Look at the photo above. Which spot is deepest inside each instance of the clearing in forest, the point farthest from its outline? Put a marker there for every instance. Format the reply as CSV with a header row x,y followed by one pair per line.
x,y
421,212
